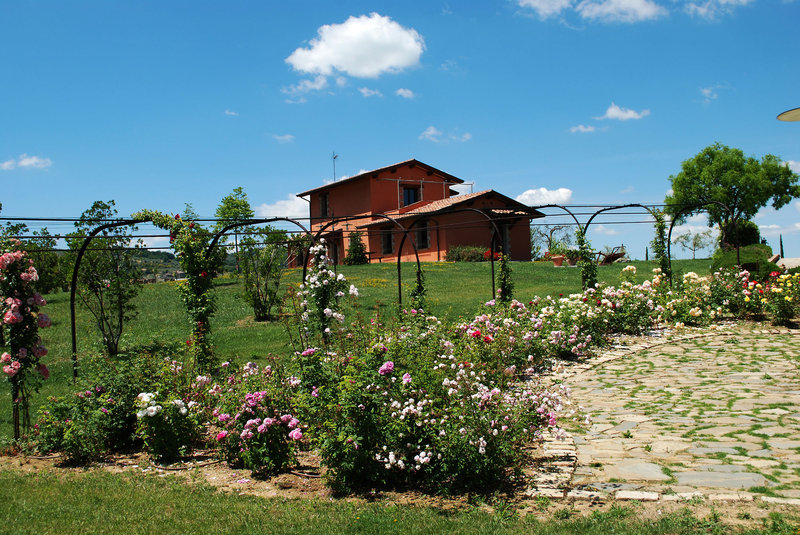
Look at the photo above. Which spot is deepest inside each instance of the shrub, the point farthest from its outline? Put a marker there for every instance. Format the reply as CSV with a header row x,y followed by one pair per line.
x,y
166,424
100,417
256,415
465,253
356,251
754,257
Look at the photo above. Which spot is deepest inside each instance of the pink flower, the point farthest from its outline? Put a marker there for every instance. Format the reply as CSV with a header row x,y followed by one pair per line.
x,y
308,352
262,428
293,423
43,371
295,434
221,435
6,358
387,368
246,434
406,378
314,392
286,418
224,417
11,317
43,320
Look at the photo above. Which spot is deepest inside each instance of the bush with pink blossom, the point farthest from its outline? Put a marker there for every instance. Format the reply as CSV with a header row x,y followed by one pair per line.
x,y
20,306
254,418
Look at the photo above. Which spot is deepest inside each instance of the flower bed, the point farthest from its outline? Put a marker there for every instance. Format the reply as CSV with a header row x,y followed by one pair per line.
x,y
419,402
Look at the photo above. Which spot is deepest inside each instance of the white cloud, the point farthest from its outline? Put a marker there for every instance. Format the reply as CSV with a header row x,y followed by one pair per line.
x,y
693,229
25,161
284,138
431,134
367,92
231,113
540,196
709,93
698,218
793,165
629,189
363,47
602,229
546,8
623,114
405,93
797,205
620,10
437,136
583,129
291,207
305,86
161,243
712,9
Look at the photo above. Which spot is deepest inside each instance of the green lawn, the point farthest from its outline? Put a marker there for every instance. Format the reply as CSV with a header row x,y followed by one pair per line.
x,y
454,290
46,503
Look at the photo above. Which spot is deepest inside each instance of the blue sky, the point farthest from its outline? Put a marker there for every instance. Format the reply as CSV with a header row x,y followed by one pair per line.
x,y
156,104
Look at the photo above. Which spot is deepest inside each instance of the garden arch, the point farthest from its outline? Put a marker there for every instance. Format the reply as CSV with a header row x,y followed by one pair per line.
x,y
424,217
398,225
74,284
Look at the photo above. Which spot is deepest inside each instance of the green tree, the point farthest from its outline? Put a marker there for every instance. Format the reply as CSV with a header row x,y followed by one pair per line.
x,y
233,208
723,174
263,257
356,251
108,278
694,241
659,243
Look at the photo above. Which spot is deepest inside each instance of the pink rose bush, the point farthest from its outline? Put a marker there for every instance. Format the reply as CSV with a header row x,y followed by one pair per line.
x,y
20,311
254,408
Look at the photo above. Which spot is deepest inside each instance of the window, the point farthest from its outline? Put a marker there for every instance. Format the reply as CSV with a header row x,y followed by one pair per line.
x,y
323,205
387,245
410,195
423,239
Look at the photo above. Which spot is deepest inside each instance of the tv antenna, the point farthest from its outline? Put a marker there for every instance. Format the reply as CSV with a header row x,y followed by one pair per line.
x,y
333,159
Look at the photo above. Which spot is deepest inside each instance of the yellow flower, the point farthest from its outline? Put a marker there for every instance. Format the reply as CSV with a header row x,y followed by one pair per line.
x,y
746,299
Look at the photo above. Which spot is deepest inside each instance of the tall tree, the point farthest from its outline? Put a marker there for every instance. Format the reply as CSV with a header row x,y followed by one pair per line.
x,y
723,174
233,208
108,279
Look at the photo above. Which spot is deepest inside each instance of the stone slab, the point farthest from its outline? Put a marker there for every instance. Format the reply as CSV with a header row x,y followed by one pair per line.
x,y
726,480
642,496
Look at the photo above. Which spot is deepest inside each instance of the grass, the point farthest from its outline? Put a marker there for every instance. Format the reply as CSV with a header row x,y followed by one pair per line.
x,y
46,503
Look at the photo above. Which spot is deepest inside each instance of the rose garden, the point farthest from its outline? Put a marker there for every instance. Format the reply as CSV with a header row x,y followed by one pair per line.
x,y
404,400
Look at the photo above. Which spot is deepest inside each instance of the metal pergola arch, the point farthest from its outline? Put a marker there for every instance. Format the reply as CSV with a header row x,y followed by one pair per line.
x,y
423,217
74,284
390,219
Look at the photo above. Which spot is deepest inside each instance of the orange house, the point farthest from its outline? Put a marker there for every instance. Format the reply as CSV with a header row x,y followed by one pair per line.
x,y
418,198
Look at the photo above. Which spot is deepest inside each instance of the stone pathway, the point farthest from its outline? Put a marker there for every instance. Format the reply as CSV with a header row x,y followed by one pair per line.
x,y
713,415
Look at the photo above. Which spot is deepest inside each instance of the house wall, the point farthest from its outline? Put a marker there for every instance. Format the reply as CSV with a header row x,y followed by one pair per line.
x,y
386,188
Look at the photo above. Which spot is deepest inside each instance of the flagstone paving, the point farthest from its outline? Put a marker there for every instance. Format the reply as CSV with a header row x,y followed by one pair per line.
x,y
714,413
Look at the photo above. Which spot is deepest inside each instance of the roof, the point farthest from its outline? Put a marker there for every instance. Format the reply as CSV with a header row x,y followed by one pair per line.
x,y
512,208
412,162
